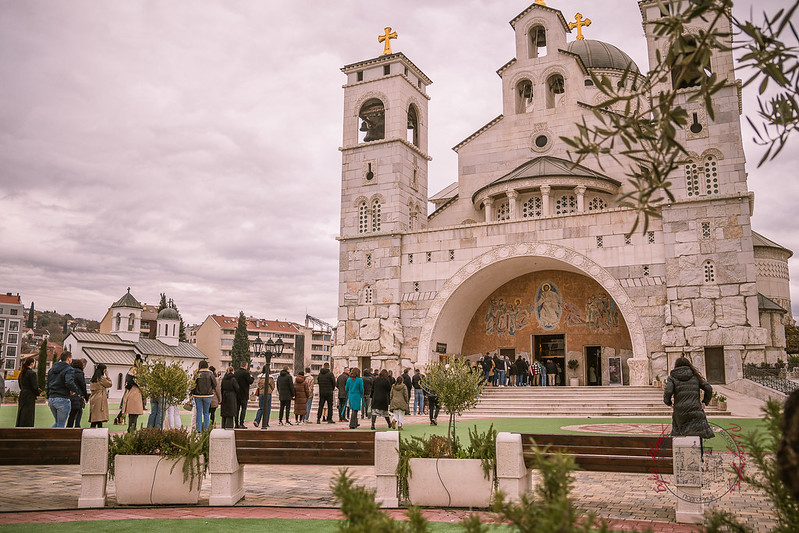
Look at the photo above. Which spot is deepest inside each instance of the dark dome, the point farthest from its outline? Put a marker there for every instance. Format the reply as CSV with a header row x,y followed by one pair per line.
x,y
168,313
596,54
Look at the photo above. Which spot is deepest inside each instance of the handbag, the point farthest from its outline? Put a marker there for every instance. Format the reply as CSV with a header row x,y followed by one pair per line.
x,y
189,405
120,420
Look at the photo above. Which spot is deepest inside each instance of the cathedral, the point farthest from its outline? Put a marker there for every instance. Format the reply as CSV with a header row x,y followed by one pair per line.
x,y
529,255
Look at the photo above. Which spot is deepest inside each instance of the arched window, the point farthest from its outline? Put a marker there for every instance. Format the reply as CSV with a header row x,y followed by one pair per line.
x,y
503,211
597,204
117,322
691,178
709,272
524,96
173,330
131,321
711,176
684,75
532,207
413,126
556,86
363,218
537,42
372,121
376,207
565,204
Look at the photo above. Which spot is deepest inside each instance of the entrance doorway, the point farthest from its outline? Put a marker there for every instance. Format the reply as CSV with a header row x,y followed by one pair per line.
x,y
552,347
593,365
365,362
714,364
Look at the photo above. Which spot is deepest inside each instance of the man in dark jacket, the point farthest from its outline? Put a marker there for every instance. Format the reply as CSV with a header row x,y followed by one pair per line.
x,y
244,379
368,381
418,393
406,379
341,383
61,380
285,389
327,384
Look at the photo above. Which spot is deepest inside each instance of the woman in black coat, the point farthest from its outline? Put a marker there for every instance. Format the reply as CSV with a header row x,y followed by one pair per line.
x,y
28,391
682,389
381,393
77,401
229,406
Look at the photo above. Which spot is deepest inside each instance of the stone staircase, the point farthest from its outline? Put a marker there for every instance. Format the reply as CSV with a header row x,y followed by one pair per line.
x,y
513,402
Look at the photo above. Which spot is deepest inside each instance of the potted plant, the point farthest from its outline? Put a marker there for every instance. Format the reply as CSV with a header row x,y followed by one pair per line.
x,y
722,402
438,471
714,399
153,466
657,383
573,365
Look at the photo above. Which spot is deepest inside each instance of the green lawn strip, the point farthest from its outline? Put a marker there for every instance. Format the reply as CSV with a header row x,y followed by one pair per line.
x,y
222,525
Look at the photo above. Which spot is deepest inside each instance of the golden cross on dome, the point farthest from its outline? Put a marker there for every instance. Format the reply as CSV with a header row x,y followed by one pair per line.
x,y
541,2
387,38
579,25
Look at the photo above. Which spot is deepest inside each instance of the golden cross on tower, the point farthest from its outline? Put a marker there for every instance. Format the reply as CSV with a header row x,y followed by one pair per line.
x,y
387,38
580,22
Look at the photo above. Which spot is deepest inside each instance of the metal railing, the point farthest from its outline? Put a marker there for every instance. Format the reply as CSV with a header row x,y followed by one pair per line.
x,y
770,377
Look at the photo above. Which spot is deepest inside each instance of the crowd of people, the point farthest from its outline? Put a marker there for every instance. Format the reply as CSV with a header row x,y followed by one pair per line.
x,y
499,371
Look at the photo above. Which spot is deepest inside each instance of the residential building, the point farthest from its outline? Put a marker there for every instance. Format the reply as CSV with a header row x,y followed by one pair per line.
x,y
12,316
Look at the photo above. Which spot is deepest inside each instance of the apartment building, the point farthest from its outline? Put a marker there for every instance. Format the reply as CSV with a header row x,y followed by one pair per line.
x,y
12,316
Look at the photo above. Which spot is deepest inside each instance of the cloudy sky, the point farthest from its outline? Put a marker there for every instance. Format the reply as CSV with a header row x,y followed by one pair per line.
x,y
192,147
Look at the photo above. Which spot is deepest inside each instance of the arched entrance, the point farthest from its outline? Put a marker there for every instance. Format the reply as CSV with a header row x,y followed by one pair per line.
x,y
459,298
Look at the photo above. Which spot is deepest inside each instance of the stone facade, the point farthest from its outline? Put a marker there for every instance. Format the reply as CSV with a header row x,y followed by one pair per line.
x,y
415,287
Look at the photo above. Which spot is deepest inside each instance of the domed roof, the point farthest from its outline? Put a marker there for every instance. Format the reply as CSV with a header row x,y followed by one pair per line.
x,y
168,313
596,54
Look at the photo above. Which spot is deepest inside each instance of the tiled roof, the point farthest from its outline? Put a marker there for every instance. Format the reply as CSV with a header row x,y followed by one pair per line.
x,y
111,357
103,338
759,240
765,303
157,348
10,299
127,301
256,324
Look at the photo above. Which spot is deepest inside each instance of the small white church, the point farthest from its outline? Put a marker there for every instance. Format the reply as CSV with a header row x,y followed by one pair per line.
x,y
529,255
119,348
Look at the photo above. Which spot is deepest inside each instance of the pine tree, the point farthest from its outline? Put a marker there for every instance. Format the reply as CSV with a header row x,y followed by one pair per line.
x,y
241,343
30,323
162,304
41,371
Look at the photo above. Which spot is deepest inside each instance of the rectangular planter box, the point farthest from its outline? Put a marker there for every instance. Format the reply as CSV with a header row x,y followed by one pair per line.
x,y
150,480
448,483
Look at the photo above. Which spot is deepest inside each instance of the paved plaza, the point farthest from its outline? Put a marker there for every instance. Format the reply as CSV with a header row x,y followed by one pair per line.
x,y
630,501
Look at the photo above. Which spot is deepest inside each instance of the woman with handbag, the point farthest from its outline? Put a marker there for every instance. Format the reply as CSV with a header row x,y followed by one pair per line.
x,y
98,397
132,401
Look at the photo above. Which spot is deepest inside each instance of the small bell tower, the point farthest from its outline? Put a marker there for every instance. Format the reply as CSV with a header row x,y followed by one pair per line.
x,y
384,150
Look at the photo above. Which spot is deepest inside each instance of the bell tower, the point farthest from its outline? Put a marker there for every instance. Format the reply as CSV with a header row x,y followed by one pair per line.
x,y
384,151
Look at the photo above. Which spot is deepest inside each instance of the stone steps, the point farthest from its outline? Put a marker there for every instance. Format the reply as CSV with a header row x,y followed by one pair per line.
x,y
513,402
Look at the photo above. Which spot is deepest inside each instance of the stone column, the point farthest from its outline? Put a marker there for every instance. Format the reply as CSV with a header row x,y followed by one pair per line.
x,y
488,203
545,200
513,478
93,468
513,204
688,480
580,192
386,461
227,476
639,372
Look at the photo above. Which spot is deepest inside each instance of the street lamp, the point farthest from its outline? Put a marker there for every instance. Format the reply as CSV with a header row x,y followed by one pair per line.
x,y
272,348
257,347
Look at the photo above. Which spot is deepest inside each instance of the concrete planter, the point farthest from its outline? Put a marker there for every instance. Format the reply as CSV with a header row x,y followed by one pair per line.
x,y
574,382
448,483
150,480
722,406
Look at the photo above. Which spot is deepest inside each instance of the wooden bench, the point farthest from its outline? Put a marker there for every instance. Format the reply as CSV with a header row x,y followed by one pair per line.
x,y
40,446
605,453
333,448
231,450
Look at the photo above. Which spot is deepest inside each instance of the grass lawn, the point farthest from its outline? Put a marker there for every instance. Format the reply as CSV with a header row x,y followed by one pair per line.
x,y
741,426
222,525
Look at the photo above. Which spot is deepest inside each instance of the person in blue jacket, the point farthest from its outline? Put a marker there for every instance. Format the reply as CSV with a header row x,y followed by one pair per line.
x,y
354,389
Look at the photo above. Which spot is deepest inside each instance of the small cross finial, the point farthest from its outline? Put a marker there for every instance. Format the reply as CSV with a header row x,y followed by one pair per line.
x,y
579,24
386,39
541,3
128,290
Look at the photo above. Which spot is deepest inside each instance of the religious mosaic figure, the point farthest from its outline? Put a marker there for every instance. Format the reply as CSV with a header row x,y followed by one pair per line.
x,y
548,306
602,312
